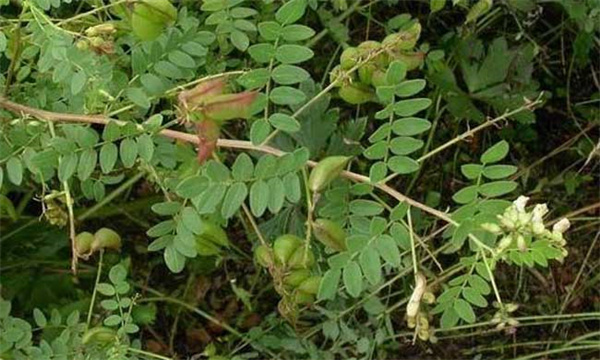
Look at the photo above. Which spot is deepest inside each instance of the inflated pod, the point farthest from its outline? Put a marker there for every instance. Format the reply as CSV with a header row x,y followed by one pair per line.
x,y
356,94
263,256
106,238
284,246
310,285
326,171
365,73
299,261
83,243
330,234
367,48
296,277
99,335
303,298
214,233
151,16
403,40
413,60
349,58
378,78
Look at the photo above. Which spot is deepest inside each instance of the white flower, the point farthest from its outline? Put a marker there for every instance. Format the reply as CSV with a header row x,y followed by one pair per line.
x,y
561,226
538,212
520,203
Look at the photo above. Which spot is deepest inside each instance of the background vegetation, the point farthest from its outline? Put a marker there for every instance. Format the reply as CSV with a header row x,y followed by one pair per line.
x,y
390,179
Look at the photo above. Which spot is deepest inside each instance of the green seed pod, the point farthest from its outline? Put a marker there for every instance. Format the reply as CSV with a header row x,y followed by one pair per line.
x,y
106,238
413,60
296,277
99,335
330,234
284,247
365,73
356,94
214,233
303,298
83,243
378,78
403,40
349,58
326,171
310,285
150,17
263,256
367,48
298,261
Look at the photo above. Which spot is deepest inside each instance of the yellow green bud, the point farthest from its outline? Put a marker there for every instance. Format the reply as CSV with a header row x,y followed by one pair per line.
x,y
310,285
83,243
263,256
99,335
356,93
301,259
296,277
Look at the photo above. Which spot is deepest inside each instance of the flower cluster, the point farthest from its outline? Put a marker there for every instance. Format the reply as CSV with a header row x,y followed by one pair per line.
x,y
520,227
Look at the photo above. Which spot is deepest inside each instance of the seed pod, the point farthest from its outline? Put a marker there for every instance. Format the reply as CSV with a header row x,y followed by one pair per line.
x,y
284,247
365,73
403,40
412,60
326,171
479,8
150,17
378,78
412,308
214,233
198,95
106,238
330,234
356,93
263,256
303,298
349,58
298,261
83,243
310,285
296,277
229,106
367,48
99,335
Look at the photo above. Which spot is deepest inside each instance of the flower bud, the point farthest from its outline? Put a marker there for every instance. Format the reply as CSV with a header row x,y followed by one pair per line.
x,y
310,285
537,228
504,243
412,60
538,212
83,243
214,233
102,29
491,227
520,203
561,226
412,308
330,234
521,243
284,247
106,238
326,171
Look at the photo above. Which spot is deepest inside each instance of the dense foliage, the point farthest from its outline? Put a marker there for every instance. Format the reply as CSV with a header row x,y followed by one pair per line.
x,y
299,179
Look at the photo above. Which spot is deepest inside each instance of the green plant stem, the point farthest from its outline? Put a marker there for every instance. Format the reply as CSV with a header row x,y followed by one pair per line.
x,y
558,351
413,250
148,354
95,291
